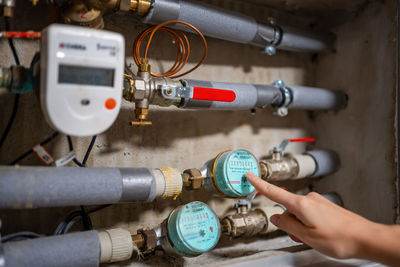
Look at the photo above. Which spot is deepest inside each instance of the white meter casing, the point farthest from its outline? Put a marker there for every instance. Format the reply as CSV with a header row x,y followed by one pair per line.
x,y
81,78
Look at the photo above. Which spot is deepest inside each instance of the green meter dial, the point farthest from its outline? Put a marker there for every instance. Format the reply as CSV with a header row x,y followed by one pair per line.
x,y
229,172
193,229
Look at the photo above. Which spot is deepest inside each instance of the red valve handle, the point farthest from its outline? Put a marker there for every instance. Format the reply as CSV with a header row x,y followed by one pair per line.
x,y
211,94
310,139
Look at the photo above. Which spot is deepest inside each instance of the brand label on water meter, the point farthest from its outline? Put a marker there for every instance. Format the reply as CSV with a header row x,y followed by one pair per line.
x,y
230,172
194,228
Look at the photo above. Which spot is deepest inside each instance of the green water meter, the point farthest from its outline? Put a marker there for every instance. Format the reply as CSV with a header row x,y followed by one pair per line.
x,y
226,174
191,229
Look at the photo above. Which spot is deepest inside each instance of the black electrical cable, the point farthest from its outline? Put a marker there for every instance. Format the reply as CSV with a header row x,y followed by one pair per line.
x,y
27,153
87,222
10,41
71,148
19,236
16,98
11,120
73,217
89,150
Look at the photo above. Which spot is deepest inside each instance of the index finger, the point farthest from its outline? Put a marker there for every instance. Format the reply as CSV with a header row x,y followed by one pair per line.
x,y
273,192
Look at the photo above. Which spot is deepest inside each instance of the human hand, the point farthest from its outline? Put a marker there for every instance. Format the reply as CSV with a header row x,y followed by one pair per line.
x,y
316,221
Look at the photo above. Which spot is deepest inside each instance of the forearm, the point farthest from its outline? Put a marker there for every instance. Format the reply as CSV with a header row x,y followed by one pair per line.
x,y
380,243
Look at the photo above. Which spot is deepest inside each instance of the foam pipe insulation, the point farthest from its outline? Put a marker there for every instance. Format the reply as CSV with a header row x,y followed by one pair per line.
x,y
32,187
249,96
232,26
88,248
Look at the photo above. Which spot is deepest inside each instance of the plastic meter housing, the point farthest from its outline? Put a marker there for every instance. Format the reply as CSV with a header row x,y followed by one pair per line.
x,y
192,229
226,174
81,76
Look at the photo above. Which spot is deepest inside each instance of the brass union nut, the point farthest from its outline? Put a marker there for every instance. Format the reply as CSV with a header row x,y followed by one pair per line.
x,y
192,179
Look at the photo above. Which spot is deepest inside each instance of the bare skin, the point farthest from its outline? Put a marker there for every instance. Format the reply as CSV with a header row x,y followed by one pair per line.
x,y
331,229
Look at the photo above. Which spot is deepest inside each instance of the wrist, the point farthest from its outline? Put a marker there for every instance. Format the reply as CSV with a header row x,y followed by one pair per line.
x,y
364,239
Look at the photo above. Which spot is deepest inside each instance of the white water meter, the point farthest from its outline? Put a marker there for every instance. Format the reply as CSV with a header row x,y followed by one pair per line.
x,y
81,78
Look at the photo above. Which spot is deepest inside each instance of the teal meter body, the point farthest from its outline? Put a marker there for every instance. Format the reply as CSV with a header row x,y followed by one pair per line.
x,y
193,229
226,174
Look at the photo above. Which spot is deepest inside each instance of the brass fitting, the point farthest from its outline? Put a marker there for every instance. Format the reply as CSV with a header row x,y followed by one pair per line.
x,y
8,12
144,66
140,7
141,116
78,14
192,179
138,239
145,240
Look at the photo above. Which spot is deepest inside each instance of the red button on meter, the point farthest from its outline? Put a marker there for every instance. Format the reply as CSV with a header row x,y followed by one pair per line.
x,y
110,103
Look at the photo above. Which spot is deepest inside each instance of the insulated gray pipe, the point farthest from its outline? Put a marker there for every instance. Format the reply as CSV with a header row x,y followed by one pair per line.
x,y
77,249
249,96
31,187
311,98
327,162
232,26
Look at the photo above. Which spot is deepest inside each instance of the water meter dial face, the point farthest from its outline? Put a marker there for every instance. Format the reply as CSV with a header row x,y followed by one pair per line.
x,y
229,172
193,229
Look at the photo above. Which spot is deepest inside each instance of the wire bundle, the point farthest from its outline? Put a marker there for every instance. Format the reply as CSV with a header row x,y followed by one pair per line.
x,y
182,46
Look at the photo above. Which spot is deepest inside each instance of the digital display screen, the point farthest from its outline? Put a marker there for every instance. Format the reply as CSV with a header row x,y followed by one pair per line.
x,y
85,75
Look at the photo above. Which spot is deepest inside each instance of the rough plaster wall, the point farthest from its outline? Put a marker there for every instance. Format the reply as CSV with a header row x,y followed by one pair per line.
x,y
181,139
365,66
185,139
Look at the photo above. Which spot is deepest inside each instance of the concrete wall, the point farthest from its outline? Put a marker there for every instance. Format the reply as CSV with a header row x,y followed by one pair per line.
x,y
364,134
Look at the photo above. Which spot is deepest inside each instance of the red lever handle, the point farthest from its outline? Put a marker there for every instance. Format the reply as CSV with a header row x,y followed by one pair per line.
x,y
211,94
310,139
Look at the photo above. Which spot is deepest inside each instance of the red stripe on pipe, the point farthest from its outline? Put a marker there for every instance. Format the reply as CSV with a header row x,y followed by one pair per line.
x,y
211,94
21,34
311,139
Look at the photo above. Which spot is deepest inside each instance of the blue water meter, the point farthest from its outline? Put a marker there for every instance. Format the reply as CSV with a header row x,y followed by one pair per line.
x,y
228,173
193,229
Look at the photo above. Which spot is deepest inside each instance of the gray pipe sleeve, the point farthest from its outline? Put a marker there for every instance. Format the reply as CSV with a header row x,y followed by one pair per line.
x,y
248,96
327,162
316,98
31,187
76,249
232,26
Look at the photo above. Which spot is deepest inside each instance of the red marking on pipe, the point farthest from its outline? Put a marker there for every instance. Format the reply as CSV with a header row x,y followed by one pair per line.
x,y
284,188
211,94
21,34
311,139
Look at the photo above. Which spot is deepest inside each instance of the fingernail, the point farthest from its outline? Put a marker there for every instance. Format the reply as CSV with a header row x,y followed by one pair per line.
x,y
249,173
275,219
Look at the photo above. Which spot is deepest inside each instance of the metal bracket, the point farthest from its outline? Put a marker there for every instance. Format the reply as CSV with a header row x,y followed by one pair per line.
x,y
282,110
176,92
270,49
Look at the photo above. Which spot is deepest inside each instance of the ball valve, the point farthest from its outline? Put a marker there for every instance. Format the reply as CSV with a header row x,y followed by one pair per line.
x,y
285,166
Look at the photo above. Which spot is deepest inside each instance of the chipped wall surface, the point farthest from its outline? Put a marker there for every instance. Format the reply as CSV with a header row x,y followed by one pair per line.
x,y
363,134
